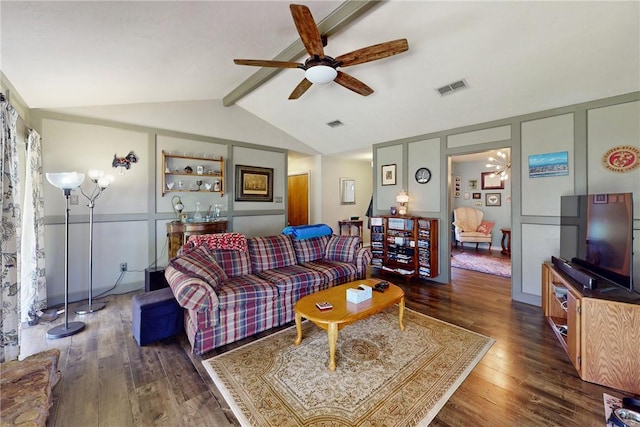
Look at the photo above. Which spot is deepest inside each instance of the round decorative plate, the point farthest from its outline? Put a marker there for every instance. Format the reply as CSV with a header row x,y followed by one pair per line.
x,y
423,175
623,158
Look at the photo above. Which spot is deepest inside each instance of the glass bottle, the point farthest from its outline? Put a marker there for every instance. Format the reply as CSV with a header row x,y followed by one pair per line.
x,y
197,216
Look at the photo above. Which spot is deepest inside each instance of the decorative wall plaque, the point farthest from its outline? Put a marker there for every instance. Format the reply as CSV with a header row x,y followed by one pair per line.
x,y
623,158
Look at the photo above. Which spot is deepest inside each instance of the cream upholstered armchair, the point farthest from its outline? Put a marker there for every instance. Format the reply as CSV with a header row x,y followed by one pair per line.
x,y
469,227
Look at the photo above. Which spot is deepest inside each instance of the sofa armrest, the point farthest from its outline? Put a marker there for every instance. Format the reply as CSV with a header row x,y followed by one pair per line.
x,y
191,293
363,258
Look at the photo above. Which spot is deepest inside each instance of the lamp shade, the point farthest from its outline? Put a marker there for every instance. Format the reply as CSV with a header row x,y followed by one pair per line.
x,y
403,197
105,181
320,74
65,180
95,174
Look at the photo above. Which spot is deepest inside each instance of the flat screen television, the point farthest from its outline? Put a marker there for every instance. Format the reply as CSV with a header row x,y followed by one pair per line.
x,y
596,235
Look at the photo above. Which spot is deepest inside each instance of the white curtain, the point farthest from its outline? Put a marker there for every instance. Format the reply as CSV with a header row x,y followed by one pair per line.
x,y
33,284
9,240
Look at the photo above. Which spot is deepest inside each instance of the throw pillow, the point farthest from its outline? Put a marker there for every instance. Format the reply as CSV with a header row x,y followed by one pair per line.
x,y
199,263
485,227
342,248
229,241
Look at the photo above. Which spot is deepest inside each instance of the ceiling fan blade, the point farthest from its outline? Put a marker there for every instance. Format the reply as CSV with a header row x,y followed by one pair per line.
x,y
372,53
353,84
300,89
307,29
267,63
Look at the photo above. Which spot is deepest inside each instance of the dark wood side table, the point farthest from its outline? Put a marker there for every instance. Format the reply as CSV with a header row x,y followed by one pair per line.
x,y
506,235
178,232
350,224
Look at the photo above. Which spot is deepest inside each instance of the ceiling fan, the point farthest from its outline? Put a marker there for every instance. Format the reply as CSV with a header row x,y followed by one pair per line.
x,y
321,69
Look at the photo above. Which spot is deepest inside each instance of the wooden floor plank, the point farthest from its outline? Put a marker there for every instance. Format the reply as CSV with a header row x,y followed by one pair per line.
x,y
525,379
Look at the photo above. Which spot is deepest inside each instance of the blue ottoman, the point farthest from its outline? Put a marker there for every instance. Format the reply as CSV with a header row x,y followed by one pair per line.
x,y
156,315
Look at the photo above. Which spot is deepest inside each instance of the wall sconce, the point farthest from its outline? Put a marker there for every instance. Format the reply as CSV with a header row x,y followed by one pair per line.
x,y
403,199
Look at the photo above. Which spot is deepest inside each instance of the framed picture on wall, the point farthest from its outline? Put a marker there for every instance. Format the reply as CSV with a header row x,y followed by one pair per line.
x,y
388,174
477,196
473,184
492,199
254,184
490,182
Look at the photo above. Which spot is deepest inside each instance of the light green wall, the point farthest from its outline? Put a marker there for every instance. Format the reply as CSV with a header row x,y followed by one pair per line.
x,y
585,130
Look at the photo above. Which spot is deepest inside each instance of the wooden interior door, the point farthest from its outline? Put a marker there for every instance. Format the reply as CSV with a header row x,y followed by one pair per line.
x,y
298,199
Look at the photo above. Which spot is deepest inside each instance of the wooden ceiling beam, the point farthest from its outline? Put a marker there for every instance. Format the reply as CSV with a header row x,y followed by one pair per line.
x,y
339,19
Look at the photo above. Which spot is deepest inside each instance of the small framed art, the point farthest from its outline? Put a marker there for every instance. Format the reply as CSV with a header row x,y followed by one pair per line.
x,y
492,199
388,174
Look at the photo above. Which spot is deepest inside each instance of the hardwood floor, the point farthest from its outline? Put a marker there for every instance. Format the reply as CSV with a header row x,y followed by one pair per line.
x,y
525,379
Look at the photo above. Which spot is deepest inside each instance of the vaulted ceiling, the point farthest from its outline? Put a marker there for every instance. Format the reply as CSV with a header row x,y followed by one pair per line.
x,y
517,57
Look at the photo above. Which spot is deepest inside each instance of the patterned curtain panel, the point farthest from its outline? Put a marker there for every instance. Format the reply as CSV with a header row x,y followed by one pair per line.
x,y
9,241
33,284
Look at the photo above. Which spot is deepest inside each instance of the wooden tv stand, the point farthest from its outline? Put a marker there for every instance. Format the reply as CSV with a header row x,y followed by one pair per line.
x,y
603,330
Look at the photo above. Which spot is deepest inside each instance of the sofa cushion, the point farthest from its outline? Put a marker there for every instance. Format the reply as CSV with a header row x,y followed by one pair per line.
x,y
342,248
241,290
310,249
234,263
293,277
199,263
336,272
271,252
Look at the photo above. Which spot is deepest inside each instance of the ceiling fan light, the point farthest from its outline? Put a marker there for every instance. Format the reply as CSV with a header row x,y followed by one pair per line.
x,y
320,74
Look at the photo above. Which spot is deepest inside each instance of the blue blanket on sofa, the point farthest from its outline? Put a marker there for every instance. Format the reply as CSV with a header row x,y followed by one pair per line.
x,y
308,231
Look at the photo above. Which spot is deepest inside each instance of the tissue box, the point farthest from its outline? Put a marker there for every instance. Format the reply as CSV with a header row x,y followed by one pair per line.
x,y
358,295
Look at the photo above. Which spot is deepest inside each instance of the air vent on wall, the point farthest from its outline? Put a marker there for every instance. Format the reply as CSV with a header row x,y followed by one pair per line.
x,y
335,123
452,87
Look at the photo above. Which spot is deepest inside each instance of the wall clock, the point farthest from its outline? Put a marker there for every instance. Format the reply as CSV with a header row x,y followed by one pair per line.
x,y
423,175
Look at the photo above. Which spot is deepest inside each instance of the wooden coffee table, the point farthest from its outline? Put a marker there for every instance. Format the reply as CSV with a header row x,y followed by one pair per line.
x,y
344,313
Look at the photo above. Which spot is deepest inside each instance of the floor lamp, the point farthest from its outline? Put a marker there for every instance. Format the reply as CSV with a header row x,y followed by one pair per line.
x,y
101,182
66,181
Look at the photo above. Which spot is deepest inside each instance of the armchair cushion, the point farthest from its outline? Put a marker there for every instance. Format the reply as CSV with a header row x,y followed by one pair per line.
x,y
463,226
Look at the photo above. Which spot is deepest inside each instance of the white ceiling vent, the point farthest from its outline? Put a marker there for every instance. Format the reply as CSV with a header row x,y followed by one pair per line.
x,y
452,87
335,123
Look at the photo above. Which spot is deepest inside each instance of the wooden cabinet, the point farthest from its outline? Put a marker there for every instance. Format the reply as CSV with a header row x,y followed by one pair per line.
x,y
178,232
602,333
405,245
188,173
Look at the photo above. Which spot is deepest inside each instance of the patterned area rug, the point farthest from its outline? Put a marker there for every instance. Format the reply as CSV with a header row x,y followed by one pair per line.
x,y
384,376
498,266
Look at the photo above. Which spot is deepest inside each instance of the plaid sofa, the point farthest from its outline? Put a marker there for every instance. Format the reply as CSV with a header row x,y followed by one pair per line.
x,y
230,294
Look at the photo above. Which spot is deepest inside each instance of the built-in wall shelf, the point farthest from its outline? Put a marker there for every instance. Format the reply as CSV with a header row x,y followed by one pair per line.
x,y
182,173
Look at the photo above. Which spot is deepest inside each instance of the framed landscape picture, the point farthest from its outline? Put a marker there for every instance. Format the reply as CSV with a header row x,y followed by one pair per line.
x,y
491,182
254,184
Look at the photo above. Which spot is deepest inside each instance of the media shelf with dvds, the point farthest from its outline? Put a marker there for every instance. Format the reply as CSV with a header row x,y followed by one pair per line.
x,y
405,245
